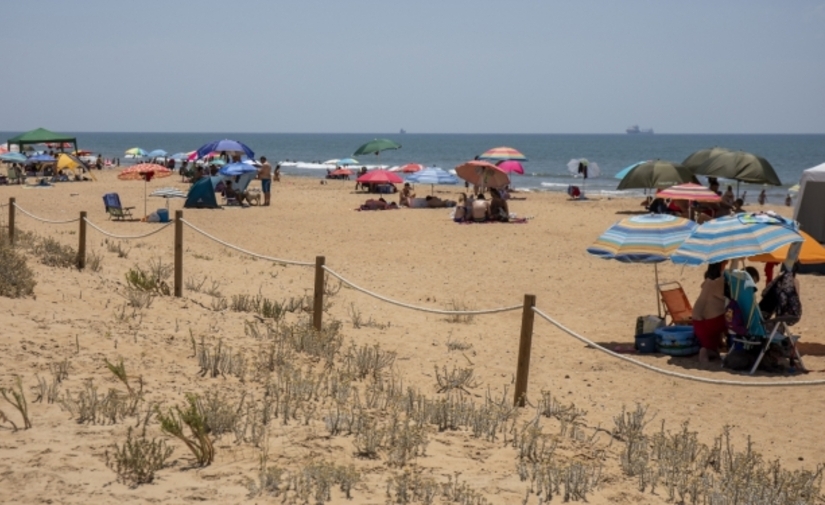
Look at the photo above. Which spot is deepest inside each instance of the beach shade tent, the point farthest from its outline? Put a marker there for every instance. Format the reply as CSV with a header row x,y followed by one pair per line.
x,y
650,238
13,158
502,154
702,156
433,176
621,173
380,177
811,253
483,174
40,136
376,146
735,237
71,163
739,166
202,194
226,145
656,174
511,167
145,172
157,153
809,210
409,168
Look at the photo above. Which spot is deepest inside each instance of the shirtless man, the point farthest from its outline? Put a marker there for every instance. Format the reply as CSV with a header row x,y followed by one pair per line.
x,y
481,209
265,175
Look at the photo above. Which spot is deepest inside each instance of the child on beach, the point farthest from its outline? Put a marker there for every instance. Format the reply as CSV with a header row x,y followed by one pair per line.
x,y
763,198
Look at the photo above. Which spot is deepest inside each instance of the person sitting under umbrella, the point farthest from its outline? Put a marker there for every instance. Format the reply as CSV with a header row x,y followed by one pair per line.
x,y
499,210
709,323
406,195
481,209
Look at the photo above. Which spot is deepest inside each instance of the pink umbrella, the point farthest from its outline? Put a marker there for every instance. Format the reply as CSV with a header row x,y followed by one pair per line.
x,y
409,168
380,177
483,174
511,166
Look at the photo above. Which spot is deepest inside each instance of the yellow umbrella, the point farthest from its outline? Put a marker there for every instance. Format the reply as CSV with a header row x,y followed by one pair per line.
x,y
811,253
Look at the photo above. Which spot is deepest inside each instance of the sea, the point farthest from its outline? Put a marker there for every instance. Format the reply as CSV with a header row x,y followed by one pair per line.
x,y
548,154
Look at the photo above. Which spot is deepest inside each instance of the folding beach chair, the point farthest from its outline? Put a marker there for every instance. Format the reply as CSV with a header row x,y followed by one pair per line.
x,y
753,330
113,207
676,303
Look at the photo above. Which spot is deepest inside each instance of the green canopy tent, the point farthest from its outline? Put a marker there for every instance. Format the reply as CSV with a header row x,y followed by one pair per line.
x,y
41,136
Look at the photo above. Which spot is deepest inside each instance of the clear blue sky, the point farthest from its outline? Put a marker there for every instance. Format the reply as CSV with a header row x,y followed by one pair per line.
x,y
441,66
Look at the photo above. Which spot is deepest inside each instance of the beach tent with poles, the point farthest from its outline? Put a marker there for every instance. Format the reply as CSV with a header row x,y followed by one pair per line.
x,y
810,205
41,136
202,194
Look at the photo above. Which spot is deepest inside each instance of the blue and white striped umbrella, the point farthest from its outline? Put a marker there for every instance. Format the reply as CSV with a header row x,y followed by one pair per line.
x,y
651,238
168,193
740,236
432,175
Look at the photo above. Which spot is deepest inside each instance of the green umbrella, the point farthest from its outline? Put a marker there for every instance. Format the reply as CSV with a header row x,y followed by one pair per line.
x,y
739,166
696,159
656,174
376,146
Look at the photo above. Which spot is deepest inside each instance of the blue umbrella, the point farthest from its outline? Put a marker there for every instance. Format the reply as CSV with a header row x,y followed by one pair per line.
x,y
41,158
13,157
348,161
233,169
432,175
179,156
627,169
734,237
157,153
227,145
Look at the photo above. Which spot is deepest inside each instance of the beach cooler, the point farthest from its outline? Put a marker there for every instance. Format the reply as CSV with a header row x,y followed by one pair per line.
x,y
163,215
646,343
677,341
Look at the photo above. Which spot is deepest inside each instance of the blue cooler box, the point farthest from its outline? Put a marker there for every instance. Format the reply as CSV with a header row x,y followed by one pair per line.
x,y
677,341
646,343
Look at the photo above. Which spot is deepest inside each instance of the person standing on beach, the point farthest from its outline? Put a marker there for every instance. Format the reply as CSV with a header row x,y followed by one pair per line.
x,y
265,175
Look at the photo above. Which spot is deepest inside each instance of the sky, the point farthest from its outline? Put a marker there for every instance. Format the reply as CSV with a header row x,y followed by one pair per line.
x,y
440,66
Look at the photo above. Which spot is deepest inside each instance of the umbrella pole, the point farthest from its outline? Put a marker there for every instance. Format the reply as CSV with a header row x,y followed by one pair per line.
x,y
145,185
658,301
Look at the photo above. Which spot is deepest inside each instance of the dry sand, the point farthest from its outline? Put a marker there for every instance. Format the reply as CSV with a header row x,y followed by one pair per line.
x,y
416,256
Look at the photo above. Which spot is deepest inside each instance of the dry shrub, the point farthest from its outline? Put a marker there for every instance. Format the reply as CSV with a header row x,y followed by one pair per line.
x,y
16,278
52,253
190,426
137,460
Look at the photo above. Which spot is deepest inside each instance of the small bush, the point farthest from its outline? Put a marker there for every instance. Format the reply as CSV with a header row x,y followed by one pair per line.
x,y
174,421
459,305
16,278
94,261
137,460
52,253
151,279
117,248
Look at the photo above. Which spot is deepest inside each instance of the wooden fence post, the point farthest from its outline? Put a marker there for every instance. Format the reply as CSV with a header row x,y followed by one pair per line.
x,y
178,253
318,299
81,242
525,344
11,220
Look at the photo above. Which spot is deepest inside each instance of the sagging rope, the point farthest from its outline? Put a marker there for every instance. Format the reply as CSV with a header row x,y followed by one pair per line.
x,y
671,373
125,237
250,253
416,307
43,220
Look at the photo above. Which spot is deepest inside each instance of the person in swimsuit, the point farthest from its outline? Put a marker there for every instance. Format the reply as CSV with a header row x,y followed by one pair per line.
x,y
709,324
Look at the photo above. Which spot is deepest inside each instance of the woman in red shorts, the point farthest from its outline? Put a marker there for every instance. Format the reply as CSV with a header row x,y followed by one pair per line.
x,y
709,323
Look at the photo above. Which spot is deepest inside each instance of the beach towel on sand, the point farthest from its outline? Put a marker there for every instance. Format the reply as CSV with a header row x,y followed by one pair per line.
x,y
518,220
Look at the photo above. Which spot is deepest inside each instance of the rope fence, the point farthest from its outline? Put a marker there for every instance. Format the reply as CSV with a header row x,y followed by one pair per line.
x,y
529,308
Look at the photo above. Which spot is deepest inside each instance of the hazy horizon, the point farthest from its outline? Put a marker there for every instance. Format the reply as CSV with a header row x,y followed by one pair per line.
x,y
463,66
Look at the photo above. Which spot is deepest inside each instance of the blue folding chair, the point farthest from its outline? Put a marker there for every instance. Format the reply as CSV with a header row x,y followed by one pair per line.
x,y
113,207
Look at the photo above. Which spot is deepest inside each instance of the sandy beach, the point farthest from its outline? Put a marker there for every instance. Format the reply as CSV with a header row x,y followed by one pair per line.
x,y
417,256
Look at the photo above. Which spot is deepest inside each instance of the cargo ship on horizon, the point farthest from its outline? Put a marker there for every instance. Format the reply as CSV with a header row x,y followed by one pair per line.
x,y
633,130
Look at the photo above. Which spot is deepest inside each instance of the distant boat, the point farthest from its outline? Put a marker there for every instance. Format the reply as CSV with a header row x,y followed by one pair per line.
x,y
402,131
635,129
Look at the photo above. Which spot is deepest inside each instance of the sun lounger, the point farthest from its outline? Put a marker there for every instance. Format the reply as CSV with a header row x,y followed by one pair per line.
x,y
113,207
677,305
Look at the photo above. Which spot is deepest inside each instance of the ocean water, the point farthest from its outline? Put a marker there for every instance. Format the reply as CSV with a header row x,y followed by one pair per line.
x,y
548,154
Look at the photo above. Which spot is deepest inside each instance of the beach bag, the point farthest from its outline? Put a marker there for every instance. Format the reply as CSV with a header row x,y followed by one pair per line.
x,y
735,319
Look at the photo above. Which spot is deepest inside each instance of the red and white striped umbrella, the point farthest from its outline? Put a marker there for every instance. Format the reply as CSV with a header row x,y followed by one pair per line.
x,y
409,168
144,171
689,191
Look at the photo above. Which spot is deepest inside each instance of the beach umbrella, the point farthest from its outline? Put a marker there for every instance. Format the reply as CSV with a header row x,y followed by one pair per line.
x,y
135,152
733,237
651,238
69,162
511,167
689,191
702,156
380,177
168,193
501,154
811,252
741,167
252,162
331,162
625,170
655,174
157,153
179,156
239,168
409,168
40,158
225,145
483,174
587,169
13,158
376,146
341,172
433,176
146,172
348,161
218,162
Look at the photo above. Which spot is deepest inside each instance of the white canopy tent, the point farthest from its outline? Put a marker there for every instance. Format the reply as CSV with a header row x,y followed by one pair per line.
x,y
810,205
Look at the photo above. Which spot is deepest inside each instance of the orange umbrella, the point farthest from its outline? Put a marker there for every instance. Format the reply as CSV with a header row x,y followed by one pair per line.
x,y
811,253
146,172
483,174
